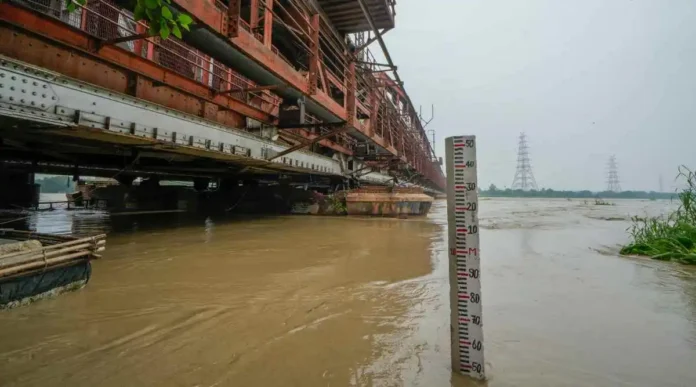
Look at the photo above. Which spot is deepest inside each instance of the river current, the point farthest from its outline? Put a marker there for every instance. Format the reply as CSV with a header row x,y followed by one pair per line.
x,y
181,300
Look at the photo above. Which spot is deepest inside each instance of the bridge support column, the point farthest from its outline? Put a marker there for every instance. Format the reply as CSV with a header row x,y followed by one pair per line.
x,y
18,189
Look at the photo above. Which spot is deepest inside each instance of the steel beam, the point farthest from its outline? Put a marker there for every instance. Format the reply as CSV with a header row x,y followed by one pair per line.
x,y
314,57
268,24
254,17
351,86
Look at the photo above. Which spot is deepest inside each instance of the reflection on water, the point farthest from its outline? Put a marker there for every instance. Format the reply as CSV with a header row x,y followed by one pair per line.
x,y
182,300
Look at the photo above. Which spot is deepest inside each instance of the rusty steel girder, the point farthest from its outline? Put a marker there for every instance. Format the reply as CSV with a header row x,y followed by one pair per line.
x,y
256,49
189,75
54,45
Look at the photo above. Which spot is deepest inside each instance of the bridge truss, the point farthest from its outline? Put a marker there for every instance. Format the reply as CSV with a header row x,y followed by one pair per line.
x,y
257,86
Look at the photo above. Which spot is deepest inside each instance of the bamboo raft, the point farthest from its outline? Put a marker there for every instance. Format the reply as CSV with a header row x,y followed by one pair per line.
x,y
35,265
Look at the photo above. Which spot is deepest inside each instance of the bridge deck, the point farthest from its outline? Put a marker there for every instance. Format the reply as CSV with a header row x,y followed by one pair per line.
x,y
49,104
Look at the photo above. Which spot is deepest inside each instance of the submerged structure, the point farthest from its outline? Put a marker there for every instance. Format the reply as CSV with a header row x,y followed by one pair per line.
x,y
256,93
388,201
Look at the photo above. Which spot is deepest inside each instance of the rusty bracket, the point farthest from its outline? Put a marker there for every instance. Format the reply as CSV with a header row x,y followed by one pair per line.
x,y
297,147
248,90
371,40
381,70
375,64
393,83
103,43
366,167
385,163
311,126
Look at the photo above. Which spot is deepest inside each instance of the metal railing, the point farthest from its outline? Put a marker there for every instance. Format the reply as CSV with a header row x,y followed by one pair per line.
x,y
80,204
104,20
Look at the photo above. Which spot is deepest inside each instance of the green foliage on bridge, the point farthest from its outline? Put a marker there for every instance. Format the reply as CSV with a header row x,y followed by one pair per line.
x,y
157,13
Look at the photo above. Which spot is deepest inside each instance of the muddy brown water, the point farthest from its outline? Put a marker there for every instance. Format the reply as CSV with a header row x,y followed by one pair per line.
x,y
314,301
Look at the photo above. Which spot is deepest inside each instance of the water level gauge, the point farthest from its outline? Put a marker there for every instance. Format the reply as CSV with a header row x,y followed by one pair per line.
x,y
464,257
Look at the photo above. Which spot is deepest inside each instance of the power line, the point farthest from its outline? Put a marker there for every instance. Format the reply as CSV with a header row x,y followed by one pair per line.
x,y
524,178
613,176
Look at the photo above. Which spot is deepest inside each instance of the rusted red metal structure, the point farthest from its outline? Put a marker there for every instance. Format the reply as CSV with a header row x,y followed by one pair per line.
x,y
244,65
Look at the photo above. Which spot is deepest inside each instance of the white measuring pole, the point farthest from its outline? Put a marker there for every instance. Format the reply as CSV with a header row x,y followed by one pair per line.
x,y
464,257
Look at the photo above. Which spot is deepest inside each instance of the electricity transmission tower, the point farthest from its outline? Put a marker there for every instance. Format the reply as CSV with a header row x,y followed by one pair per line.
x,y
524,178
662,189
613,176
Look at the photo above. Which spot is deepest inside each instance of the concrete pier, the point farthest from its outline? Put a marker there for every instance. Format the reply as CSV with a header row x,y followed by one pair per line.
x,y
18,189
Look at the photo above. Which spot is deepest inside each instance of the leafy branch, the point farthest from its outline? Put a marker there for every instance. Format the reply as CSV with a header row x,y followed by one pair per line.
x,y
158,15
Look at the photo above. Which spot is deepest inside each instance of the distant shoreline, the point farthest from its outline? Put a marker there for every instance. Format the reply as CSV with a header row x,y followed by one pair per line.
x,y
551,194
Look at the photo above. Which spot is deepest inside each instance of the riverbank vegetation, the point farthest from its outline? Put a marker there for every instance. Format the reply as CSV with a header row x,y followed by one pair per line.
x,y
671,238
493,191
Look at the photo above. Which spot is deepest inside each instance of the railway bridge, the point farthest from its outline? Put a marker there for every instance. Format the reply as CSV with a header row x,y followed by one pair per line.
x,y
255,90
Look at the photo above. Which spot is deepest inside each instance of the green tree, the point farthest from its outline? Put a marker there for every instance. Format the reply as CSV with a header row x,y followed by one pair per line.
x,y
157,13
493,191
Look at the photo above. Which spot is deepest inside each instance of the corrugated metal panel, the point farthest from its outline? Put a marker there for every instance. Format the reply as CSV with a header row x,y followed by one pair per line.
x,y
347,16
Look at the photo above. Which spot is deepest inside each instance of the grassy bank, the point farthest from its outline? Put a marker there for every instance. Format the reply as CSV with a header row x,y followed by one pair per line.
x,y
672,238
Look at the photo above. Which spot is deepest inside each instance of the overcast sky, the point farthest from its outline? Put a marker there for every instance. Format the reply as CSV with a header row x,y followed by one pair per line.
x,y
583,78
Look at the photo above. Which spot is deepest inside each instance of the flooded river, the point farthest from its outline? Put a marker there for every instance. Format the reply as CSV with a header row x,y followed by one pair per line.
x,y
321,301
